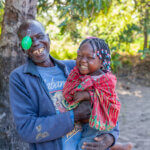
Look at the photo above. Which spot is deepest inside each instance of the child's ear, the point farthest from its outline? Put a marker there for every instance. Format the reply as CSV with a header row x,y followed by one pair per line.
x,y
102,66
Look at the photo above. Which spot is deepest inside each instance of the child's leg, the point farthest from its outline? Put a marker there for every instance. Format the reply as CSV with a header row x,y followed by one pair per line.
x,y
88,135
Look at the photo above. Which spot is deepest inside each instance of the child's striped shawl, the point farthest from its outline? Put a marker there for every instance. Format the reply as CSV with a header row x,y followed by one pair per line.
x,y
105,105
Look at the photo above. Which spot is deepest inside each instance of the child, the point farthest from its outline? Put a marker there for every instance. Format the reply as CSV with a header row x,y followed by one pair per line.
x,y
91,79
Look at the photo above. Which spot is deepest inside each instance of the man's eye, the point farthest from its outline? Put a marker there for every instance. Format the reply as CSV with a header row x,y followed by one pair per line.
x,y
40,36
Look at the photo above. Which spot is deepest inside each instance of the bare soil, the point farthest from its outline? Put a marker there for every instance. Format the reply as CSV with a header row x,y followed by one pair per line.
x,y
133,89
134,118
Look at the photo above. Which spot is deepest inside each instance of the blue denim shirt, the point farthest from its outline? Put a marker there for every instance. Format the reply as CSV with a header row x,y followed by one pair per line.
x,y
34,113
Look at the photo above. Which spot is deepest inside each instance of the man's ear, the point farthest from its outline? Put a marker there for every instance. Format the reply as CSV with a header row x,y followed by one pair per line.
x,y
21,48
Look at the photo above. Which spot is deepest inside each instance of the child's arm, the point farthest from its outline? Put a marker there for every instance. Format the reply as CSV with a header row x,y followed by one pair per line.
x,y
81,96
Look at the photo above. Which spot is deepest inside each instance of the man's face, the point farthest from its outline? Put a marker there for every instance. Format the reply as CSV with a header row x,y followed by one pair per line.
x,y
39,51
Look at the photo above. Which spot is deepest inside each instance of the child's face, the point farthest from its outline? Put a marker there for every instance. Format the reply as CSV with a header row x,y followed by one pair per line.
x,y
86,63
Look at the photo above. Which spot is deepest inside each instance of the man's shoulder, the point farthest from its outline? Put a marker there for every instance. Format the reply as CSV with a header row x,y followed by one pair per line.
x,y
18,70
69,63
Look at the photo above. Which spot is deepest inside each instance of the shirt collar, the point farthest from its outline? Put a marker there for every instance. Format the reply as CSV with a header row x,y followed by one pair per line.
x,y
30,67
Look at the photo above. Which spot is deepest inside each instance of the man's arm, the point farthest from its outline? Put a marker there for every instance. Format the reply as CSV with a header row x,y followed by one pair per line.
x,y
31,127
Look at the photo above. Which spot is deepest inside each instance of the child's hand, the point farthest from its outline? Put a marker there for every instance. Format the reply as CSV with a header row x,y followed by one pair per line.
x,y
81,96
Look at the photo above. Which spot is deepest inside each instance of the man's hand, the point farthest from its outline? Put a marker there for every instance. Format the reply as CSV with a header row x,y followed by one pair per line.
x,y
83,111
102,142
81,96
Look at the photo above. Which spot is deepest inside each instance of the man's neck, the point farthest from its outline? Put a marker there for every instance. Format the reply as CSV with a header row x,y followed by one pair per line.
x,y
47,63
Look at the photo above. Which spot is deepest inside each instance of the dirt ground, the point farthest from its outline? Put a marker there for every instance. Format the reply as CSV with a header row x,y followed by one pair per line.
x,y
134,118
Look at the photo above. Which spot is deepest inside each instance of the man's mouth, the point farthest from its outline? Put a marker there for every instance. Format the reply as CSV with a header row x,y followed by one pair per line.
x,y
38,51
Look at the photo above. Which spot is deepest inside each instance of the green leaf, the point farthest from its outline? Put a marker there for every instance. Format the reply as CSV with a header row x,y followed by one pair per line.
x,y
85,14
140,51
64,23
143,56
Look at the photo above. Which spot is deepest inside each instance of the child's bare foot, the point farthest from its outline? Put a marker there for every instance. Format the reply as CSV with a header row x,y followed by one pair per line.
x,y
119,146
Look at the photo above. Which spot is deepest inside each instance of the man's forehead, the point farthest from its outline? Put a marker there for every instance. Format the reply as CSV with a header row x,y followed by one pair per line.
x,y
36,24
32,28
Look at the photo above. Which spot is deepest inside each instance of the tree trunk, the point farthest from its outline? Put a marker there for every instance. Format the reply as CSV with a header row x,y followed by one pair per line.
x,y
16,11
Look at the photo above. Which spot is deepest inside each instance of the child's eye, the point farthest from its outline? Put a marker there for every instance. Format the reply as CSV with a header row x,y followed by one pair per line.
x,y
79,56
90,58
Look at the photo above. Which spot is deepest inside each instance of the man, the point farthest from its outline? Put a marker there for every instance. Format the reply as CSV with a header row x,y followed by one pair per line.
x,y
36,96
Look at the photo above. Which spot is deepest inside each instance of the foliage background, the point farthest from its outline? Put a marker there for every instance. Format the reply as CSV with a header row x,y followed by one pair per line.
x,y
124,24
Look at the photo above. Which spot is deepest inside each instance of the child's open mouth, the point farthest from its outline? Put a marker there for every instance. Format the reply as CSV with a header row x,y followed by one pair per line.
x,y
83,67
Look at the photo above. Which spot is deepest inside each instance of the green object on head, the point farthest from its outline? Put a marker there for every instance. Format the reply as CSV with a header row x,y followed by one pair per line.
x,y
26,42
